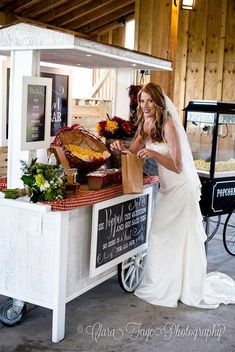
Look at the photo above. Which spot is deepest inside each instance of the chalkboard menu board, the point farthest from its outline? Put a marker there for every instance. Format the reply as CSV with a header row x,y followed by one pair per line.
x,y
36,99
119,228
59,101
36,102
7,102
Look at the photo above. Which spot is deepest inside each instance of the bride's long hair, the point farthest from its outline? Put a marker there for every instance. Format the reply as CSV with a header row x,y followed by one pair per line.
x,y
156,128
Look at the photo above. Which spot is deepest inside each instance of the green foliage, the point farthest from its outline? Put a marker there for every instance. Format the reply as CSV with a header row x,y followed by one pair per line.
x,y
11,193
44,182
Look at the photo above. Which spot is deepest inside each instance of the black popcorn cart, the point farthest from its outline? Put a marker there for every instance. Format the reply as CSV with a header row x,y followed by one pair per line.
x,y
210,127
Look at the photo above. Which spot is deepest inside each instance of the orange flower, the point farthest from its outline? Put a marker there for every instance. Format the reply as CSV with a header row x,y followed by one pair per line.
x,y
115,127
111,126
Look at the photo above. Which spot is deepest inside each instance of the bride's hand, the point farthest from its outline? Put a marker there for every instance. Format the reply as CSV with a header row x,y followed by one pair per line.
x,y
144,153
117,145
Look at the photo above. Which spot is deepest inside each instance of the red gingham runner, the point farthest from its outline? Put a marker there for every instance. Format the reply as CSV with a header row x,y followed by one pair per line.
x,y
3,183
85,198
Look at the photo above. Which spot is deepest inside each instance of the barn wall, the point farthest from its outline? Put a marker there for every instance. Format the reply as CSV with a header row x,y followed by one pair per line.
x,y
204,66
205,58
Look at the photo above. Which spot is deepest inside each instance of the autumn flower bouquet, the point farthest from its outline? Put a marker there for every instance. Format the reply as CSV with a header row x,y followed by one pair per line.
x,y
114,127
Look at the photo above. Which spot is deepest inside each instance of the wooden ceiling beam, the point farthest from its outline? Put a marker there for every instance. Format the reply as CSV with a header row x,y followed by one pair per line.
x,y
10,6
62,10
78,17
6,3
20,5
106,11
42,7
83,10
111,25
6,18
106,20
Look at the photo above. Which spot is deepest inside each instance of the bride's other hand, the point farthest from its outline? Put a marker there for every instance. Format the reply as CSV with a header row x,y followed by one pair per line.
x,y
117,145
144,153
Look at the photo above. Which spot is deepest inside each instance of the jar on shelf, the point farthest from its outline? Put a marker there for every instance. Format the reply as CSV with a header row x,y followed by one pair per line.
x,y
72,176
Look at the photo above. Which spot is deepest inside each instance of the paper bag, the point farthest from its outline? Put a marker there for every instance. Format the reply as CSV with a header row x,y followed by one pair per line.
x,y
132,173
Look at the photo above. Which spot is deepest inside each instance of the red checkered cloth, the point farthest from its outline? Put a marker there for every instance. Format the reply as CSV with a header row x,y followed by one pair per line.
x,y
3,183
84,198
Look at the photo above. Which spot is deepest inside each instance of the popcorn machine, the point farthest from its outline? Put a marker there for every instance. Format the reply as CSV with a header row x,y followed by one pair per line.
x,y
210,127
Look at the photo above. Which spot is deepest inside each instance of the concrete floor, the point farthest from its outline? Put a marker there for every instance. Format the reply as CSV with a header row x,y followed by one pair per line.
x,y
122,322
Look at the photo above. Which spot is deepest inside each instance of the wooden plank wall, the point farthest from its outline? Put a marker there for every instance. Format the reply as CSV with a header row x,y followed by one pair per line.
x,y
205,58
114,35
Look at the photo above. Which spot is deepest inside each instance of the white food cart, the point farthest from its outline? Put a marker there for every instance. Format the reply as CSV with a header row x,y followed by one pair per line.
x,y
48,257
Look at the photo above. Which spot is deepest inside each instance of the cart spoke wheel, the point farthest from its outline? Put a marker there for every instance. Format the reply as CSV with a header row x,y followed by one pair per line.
x,y
130,272
214,223
229,233
10,316
128,264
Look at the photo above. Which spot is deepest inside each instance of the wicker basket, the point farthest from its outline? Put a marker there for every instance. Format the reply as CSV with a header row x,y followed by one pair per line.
x,y
79,136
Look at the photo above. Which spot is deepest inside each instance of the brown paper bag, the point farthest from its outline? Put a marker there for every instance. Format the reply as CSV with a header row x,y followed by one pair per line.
x,y
132,173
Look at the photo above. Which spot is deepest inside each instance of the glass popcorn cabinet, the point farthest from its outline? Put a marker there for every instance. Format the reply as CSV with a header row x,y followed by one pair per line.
x,y
210,127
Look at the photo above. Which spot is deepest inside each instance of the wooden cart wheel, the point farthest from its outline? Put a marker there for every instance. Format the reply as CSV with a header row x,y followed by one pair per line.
x,y
130,272
229,233
214,223
9,316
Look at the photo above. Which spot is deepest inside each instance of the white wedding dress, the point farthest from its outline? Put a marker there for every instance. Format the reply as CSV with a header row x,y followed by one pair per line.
x,y
176,260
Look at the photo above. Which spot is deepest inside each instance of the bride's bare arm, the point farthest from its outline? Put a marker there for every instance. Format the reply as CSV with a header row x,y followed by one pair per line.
x,y
174,163
137,144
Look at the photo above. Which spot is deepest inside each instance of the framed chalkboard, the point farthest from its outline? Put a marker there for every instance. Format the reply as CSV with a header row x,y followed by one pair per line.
x,y
7,101
4,101
36,106
119,230
59,102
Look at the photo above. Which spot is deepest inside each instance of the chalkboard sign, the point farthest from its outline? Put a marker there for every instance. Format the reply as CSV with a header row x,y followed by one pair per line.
x,y
36,101
223,194
118,229
59,102
7,102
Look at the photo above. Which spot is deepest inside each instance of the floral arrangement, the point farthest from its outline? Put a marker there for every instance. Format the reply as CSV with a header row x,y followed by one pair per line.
x,y
115,127
44,182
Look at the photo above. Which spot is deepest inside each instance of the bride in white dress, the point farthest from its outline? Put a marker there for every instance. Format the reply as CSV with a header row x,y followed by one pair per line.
x,y
176,261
